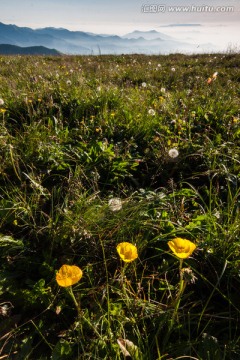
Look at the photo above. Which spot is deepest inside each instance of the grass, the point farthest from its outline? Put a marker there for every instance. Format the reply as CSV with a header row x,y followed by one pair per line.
x,y
78,131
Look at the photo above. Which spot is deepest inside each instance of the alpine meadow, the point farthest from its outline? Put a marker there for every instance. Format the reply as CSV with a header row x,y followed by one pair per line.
x,y
120,207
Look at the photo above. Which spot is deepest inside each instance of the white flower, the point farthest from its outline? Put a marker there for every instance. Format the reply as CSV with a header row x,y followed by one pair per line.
x,y
151,112
1,102
173,69
173,153
68,82
159,65
144,84
163,90
115,204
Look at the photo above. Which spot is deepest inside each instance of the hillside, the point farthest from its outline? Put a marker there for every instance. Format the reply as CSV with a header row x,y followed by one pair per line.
x,y
6,49
120,207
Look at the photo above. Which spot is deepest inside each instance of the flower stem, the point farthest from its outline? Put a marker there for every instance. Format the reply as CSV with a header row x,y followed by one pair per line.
x,y
70,291
177,301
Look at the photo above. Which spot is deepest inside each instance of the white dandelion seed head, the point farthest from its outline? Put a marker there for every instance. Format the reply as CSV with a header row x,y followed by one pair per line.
x,y
173,153
173,69
115,204
68,82
144,84
163,90
151,112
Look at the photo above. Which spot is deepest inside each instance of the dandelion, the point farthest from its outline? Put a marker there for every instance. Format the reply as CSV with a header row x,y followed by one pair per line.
x,y
163,90
182,248
115,204
68,82
173,69
1,102
144,84
173,153
151,112
68,275
127,251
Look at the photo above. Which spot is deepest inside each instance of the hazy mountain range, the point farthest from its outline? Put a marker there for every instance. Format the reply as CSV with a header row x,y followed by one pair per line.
x,y
85,43
6,49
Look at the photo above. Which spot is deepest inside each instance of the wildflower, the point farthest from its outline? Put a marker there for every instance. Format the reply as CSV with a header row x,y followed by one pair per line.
x,y
173,69
182,248
115,204
68,82
144,84
1,102
214,76
127,251
68,275
209,80
151,112
163,90
173,153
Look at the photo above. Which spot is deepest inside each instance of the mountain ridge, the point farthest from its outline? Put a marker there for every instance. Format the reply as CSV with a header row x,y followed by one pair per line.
x,y
8,49
85,43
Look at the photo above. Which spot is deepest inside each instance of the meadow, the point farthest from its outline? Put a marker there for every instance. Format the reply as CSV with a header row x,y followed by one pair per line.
x,y
105,161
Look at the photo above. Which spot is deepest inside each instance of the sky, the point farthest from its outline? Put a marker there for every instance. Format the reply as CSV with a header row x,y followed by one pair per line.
x,y
215,21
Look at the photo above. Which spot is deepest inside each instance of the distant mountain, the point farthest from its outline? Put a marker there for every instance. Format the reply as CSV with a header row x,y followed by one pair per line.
x,y
148,35
6,49
79,42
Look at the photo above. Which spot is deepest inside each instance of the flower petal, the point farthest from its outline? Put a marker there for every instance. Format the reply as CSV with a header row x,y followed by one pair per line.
x,y
127,251
68,275
182,248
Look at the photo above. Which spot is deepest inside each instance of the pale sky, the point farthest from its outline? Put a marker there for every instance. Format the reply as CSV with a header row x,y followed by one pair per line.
x,y
220,20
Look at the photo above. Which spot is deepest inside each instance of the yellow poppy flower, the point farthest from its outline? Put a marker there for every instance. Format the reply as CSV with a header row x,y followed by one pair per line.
x,y
68,275
127,251
182,248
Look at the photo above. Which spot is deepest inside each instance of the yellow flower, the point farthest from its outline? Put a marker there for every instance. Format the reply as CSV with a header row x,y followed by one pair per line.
x,y
68,275
182,248
127,251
